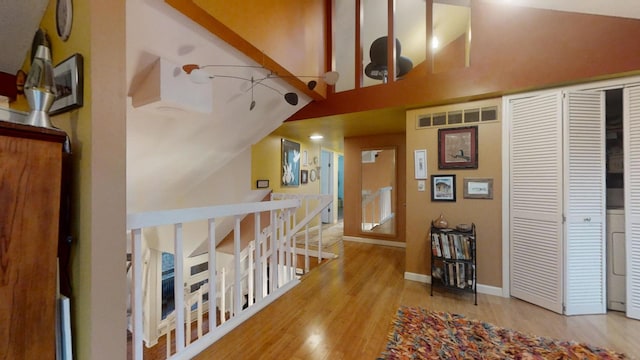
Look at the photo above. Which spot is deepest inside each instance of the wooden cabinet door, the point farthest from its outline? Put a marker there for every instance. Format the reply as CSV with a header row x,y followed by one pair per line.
x,y
30,171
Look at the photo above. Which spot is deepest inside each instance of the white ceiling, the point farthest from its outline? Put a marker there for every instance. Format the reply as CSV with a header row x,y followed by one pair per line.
x,y
172,151
19,21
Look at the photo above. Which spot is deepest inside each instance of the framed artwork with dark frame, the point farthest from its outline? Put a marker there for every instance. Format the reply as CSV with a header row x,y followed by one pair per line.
x,y
69,79
458,148
443,188
262,184
304,176
478,188
290,163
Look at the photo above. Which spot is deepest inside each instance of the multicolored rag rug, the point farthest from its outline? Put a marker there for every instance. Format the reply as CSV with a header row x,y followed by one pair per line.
x,y
422,334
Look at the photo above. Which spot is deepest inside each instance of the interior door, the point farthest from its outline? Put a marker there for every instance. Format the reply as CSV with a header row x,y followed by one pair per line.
x,y
584,203
536,200
631,138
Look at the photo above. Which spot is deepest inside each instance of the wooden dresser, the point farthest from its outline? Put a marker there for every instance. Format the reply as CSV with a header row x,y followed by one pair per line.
x,y
30,183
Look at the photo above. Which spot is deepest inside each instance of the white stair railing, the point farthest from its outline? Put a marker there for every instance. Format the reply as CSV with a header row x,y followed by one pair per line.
x,y
272,263
311,207
376,208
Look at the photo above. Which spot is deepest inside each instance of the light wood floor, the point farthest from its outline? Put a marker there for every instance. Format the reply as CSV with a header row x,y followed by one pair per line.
x,y
344,308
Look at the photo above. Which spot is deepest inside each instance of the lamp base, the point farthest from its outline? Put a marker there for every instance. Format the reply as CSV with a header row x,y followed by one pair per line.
x,y
38,118
40,102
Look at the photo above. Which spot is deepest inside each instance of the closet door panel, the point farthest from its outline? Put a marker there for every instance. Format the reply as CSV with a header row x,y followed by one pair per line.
x,y
584,203
632,197
536,200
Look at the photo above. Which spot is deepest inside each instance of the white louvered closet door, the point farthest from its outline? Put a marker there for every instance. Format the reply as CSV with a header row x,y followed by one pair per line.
x,y
631,145
584,203
536,200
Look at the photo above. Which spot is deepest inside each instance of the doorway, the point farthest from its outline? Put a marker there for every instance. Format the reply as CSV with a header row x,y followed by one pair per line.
x,y
615,245
326,183
340,187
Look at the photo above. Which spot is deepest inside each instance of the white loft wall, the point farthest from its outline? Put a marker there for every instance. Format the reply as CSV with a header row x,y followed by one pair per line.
x,y
179,158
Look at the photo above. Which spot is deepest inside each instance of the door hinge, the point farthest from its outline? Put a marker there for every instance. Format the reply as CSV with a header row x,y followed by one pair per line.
x,y
564,308
564,219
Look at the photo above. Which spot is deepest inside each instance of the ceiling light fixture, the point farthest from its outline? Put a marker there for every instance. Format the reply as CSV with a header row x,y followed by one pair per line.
x,y
198,75
316,137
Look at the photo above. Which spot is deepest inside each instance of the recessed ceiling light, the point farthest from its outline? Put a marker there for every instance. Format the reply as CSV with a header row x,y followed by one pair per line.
x,y
316,137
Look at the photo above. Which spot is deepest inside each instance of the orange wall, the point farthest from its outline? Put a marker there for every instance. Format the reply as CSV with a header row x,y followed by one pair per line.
x,y
452,56
485,213
512,49
353,147
287,37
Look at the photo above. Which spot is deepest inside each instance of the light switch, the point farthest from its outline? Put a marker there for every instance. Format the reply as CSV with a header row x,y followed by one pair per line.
x,y
421,185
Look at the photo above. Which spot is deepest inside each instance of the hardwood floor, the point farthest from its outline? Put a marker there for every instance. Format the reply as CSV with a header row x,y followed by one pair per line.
x,y
344,308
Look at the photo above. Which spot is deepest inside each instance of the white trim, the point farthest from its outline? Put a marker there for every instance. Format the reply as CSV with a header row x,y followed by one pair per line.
x,y
375,241
491,290
506,197
417,277
313,253
482,289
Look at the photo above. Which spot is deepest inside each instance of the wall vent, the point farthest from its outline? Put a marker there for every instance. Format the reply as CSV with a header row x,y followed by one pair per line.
x,y
457,117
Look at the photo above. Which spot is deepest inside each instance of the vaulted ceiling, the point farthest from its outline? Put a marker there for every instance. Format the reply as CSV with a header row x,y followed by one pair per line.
x,y
207,142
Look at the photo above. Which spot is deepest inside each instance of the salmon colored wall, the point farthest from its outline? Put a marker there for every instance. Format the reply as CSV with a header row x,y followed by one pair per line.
x,y
353,147
376,175
485,213
513,49
452,56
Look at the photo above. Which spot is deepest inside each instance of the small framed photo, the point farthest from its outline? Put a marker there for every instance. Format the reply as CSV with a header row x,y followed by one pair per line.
x,y
480,188
69,79
304,176
262,184
443,188
458,148
420,163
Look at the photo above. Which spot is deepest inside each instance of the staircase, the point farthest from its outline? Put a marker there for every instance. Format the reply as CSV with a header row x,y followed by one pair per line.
x,y
246,281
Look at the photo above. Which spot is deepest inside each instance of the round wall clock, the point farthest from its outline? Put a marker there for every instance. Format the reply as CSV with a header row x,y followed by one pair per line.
x,y
64,18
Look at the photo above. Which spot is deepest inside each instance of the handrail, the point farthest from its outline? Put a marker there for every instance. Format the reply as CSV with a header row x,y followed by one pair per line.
x,y
323,201
280,259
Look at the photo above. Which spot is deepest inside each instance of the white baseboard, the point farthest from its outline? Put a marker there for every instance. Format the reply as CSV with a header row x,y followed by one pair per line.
x,y
482,289
375,241
417,277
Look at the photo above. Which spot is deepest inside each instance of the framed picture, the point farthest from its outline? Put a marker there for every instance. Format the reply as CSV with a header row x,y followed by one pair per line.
x,y
481,188
304,176
458,148
420,163
262,184
443,188
290,163
69,79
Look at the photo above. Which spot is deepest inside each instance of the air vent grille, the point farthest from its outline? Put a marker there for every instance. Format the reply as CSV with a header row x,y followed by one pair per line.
x,y
457,117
